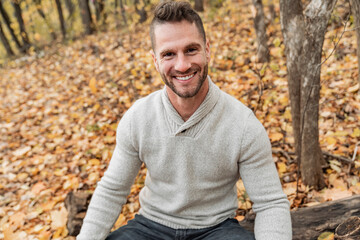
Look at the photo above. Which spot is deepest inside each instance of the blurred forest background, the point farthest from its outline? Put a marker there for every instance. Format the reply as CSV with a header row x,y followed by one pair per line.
x,y
71,68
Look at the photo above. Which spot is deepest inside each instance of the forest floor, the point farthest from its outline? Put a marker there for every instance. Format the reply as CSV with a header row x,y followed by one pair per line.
x,y
59,111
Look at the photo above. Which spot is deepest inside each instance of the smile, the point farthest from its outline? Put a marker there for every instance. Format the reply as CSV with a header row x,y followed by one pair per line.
x,y
185,77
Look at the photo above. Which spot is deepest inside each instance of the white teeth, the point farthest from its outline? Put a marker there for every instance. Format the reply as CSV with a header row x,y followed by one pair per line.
x,y
185,78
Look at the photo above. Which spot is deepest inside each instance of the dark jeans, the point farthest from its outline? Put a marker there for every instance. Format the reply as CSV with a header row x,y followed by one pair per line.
x,y
141,228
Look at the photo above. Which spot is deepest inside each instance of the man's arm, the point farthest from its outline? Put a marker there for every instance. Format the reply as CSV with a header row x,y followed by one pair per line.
x,y
111,192
262,184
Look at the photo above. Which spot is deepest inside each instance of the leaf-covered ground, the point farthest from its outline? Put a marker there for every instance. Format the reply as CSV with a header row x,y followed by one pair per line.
x,y
59,111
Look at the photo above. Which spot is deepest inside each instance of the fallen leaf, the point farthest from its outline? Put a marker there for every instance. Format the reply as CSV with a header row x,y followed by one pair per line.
x,y
21,151
326,236
92,85
58,218
275,136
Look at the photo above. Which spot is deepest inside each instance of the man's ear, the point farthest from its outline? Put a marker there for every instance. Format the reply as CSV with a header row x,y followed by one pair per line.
x,y
207,50
154,59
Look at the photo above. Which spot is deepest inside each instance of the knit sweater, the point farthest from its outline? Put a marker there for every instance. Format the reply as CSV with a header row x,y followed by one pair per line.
x,y
193,167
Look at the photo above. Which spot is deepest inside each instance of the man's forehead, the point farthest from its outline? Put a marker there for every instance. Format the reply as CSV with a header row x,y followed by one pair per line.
x,y
173,24
176,32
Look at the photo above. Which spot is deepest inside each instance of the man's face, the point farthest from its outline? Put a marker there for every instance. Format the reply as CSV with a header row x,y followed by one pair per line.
x,y
181,57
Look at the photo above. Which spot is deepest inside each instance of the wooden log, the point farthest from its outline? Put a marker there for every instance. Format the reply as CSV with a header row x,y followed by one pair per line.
x,y
76,204
350,229
310,222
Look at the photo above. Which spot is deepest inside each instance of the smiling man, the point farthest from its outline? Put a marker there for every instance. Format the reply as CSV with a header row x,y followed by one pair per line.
x,y
196,142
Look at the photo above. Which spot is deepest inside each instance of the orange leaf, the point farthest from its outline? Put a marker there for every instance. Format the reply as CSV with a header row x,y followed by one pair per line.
x,y
92,85
275,136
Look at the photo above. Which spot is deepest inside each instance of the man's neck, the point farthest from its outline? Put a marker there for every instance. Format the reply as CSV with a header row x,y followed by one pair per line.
x,y
187,106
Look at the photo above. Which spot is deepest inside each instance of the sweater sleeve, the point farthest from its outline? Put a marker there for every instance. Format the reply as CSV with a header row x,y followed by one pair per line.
x,y
113,188
262,184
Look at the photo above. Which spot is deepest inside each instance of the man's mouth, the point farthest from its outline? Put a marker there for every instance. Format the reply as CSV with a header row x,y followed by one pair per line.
x,y
184,78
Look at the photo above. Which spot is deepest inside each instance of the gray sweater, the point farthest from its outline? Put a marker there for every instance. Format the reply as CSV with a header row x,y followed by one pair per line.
x,y
193,168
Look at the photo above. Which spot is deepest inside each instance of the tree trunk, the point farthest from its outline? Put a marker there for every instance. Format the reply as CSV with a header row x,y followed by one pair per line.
x,y
303,37
310,222
7,21
272,10
23,33
122,9
141,12
100,14
61,18
355,8
260,28
86,17
199,5
70,7
5,42
42,15
71,10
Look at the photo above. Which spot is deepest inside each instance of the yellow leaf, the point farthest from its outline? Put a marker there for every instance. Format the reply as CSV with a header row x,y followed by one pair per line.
x,y
240,218
356,133
274,67
58,218
94,162
48,205
17,220
120,221
22,176
275,136
93,177
277,42
341,133
37,36
92,85
38,187
354,88
331,140
45,235
326,236
281,167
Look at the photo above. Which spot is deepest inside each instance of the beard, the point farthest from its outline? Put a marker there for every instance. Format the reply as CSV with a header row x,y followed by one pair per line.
x,y
192,92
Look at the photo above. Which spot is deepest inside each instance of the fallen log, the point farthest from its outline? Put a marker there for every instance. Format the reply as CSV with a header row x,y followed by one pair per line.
x,y
307,223
350,229
310,222
76,204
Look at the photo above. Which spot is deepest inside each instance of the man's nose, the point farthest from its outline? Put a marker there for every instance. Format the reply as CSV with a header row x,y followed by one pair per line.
x,y
182,63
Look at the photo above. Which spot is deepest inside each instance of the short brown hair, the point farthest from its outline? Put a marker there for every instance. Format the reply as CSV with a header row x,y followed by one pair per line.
x,y
175,11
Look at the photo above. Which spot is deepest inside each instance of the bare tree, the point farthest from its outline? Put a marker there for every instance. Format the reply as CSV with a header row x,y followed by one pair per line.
x,y
355,8
71,16
42,15
260,28
61,17
304,29
7,21
5,42
19,18
122,9
199,5
141,12
86,16
100,13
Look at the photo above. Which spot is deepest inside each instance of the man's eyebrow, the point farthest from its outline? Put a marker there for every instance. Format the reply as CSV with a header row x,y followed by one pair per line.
x,y
193,45
163,52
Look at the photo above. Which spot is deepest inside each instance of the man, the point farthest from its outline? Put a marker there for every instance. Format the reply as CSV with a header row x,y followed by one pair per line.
x,y
196,141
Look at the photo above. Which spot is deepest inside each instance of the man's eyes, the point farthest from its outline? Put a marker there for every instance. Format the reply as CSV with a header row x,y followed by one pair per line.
x,y
168,55
192,50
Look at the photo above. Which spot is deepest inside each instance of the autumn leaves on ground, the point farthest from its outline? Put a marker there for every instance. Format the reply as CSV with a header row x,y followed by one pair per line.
x,y
59,112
